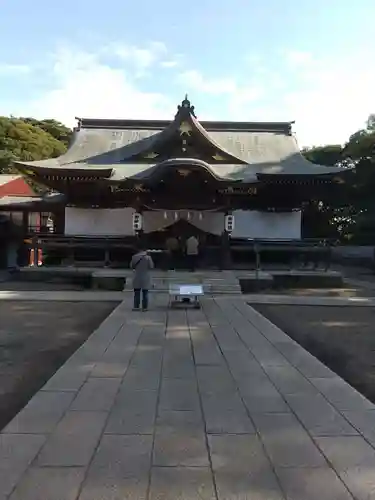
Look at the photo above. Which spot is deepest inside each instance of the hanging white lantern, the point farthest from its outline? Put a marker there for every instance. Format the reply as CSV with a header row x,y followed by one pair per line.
x,y
188,216
165,215
229,223
175,216
137,221
200,216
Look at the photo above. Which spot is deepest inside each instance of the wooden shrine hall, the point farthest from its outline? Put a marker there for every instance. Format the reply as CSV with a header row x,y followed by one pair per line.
x,y
228,183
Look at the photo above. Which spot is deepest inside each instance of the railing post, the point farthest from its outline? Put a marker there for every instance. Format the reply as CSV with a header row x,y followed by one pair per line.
x,y
257,259
226,260
70,253
35,250
107,259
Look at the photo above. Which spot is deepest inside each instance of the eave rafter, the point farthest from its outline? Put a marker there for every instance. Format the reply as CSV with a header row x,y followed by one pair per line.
x,y
63,173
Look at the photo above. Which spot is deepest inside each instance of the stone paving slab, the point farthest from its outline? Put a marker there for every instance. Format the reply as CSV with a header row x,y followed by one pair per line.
x,y
309,301
216,403
108,296
67,296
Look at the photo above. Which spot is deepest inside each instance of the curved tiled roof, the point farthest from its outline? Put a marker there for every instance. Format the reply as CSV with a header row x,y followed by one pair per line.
x,y
109,146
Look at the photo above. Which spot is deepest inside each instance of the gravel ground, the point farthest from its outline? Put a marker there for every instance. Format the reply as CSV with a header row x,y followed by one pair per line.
x,y
31,286
341,337
36,338
346,291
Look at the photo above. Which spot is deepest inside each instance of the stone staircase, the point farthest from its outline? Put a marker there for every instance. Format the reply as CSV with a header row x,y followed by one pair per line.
x,y
225,282
214,283
5,276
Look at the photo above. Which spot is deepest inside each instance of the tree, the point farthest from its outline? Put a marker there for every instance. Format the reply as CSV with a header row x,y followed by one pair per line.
x,y
359,151
324,155
370,124
323,216
25,141
53,127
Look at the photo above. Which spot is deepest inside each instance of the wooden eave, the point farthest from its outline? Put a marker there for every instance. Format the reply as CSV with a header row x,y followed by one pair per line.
x,y
304,179
64,173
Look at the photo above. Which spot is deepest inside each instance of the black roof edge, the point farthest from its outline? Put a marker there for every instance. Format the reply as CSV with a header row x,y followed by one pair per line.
x,y
281,127
323,175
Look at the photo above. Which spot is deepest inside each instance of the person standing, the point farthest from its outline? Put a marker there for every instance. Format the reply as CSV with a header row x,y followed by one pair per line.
x,y
141,263
172,251
192,252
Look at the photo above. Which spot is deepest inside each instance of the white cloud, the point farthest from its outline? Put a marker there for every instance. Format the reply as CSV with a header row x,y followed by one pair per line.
x,y
298,58
141,57
329,100
87,87
14,69
169,64
232,95
194,80
333,102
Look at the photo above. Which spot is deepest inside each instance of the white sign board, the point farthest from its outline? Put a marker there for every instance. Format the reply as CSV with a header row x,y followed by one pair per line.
x,y
186,290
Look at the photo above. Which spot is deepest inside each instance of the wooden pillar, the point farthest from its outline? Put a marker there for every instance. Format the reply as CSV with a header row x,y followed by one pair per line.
x,y
25,223
107,256
257,258
35,251
59,221
226,259
24,251
70,257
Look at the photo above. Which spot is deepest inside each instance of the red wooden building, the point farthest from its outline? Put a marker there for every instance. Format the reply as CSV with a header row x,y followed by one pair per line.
x,y
14,191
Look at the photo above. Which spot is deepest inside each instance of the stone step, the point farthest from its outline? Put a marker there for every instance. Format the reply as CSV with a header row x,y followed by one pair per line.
x,y
217,283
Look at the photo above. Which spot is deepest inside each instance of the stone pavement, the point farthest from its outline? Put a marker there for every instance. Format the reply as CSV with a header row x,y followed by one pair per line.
x,y
204,404
63,295
107,296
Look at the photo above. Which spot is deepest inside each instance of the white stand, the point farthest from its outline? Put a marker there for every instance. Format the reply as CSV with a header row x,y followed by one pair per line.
x,y
183,295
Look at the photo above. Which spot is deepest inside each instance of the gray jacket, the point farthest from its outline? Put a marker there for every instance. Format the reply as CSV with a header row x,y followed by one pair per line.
x,y
141,264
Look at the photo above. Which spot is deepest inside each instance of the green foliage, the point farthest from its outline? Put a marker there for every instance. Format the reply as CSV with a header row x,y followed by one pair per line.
x,y
54,128
360,145
360,150
29,140
324,155
352,213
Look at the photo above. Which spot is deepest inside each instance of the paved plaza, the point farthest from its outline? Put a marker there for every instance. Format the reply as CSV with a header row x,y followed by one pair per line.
x,y
216,403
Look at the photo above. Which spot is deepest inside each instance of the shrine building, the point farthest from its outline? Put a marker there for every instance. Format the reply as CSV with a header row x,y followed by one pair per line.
x,y
121,179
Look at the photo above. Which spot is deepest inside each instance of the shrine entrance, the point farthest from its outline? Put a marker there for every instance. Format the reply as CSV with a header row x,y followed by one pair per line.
x,y
209,244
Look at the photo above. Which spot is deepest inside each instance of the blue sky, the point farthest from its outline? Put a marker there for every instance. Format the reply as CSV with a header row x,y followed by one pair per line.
x,y
308,61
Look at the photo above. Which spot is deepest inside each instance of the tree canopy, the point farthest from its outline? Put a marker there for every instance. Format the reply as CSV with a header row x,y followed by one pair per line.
x,y
324,155
353,215
28,139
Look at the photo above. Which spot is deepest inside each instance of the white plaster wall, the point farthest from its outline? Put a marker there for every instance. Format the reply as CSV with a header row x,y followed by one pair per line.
x,y
248,224
267,225
212,222
118,222
98,221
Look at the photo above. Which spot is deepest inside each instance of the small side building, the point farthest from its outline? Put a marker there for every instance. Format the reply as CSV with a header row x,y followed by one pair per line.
x,y
15,192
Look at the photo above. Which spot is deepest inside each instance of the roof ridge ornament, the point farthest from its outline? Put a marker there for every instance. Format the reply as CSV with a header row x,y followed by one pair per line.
x,y
185,108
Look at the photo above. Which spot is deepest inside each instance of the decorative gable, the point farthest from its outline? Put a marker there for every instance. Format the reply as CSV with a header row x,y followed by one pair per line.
x,y
184,137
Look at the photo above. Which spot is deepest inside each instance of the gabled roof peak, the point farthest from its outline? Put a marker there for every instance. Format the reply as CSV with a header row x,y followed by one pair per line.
x,y
185,109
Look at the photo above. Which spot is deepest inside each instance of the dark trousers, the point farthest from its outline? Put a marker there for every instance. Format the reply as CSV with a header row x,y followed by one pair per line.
x,y
192,261
137,298
173,259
